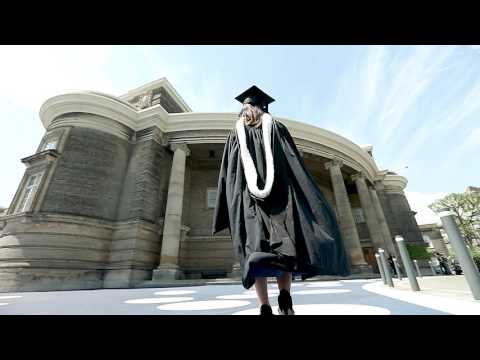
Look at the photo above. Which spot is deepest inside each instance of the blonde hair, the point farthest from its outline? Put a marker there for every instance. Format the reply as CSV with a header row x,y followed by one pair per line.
x,y
252,115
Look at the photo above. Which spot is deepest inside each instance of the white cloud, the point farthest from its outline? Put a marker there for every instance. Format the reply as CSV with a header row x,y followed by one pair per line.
x,y
410,79
474,138
372,72
465,108
419,202
468,147
31,74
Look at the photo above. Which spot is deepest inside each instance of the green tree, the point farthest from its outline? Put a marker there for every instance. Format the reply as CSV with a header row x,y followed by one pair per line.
x,y
466,207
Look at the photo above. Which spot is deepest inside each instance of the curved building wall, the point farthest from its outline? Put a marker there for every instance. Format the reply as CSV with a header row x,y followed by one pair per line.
x,y
405,223
89,176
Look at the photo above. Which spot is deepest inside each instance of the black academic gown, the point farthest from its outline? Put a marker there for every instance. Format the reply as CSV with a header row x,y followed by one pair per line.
x,y
293,229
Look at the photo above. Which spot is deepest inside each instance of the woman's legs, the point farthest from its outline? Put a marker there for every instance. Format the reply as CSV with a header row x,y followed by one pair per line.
x,y
284,281
285,305
262,291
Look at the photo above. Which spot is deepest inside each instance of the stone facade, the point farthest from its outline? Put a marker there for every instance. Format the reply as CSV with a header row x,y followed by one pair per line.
x,y
432,234
119,192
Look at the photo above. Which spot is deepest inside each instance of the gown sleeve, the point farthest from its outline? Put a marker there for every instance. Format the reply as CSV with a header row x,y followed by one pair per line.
x,y
220,215
319,204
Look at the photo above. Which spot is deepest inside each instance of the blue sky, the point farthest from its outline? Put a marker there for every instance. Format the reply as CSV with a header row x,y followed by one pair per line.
x,y
418,106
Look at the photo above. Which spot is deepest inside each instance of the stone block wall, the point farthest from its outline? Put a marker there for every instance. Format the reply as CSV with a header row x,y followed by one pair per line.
x,y
199,251
53,252
134,253
401,218
145,188
89,176
100,221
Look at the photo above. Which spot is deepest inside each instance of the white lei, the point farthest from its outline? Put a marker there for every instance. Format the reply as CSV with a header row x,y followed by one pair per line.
x,y
248,165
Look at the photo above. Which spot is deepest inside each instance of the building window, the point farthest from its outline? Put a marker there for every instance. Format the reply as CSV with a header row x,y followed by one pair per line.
x,y
358,215
50,144
29,193
211,198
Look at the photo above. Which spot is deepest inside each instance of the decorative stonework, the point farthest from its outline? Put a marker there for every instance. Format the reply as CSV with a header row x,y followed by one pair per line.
x,y
395,184
160,137
359,175
152,133
144,100
378,185
334,162
45,156
180,146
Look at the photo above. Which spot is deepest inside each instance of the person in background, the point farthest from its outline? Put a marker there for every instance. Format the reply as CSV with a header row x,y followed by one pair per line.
x,y
392,264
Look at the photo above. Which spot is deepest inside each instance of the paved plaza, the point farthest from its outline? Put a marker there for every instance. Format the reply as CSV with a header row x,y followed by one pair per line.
x,y
342,297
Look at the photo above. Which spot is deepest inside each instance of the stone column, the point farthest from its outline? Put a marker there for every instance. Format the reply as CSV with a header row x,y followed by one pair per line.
x,y
172,230
348,228
382,222
368,210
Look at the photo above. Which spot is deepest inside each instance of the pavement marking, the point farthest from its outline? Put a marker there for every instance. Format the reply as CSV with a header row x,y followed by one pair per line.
x,y
245,296
203,305
321,291
321,284
448,305
359,280
292,285
158,300
237,297
10,297
175,292
326,309
270,292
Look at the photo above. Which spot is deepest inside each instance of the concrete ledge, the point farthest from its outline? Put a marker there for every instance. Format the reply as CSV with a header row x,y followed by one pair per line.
x,y
15,280
124,278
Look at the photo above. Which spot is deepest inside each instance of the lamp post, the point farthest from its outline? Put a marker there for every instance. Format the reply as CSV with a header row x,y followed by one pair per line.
x,y
431,267
461,251
388,276
397,269
380,268
407,263
418,269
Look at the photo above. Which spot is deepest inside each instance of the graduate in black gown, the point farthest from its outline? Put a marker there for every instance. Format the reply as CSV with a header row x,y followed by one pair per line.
x,y
279,220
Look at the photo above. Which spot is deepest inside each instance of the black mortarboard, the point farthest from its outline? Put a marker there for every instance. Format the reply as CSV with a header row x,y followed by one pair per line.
x,y
255,96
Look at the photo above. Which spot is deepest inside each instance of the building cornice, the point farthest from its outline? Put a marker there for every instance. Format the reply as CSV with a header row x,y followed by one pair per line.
x,y
89,102
163,82
394,183
122,112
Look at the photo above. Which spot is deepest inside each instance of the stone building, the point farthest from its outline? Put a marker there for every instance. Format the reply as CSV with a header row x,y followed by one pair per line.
x,y
432,234
121,190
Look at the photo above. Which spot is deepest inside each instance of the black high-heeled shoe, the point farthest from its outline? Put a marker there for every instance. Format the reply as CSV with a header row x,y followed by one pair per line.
x,y
285,304
266,309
